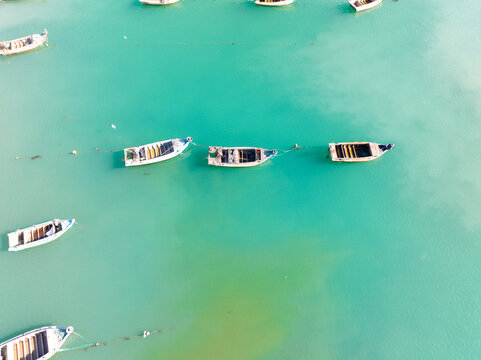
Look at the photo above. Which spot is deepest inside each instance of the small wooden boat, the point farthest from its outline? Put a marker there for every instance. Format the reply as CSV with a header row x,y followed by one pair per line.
x,y
357,151
24,44
158,2
273,2
361,5
38,234
238,156
155,152
38,344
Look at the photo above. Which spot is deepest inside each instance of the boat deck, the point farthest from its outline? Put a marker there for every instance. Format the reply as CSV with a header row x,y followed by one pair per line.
x,y
353,151
155,151
30,347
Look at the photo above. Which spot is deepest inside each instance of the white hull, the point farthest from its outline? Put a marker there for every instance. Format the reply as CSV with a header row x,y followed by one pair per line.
x,y
238,156
38,344
358,5
22,45
155,152
346,152
274,3
37,235
158,2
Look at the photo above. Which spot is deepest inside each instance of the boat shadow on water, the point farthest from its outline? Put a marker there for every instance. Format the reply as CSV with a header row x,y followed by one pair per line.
x,y
4,244
117,159
346,8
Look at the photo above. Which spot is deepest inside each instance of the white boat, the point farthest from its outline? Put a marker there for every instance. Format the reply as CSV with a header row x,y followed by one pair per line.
x,y
38,344
24,44
158,2
357,151
361,5
38,234
155,152
274,2
238,156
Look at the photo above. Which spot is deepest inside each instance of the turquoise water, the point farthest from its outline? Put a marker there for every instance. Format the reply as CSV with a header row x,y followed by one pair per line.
x,y
300,258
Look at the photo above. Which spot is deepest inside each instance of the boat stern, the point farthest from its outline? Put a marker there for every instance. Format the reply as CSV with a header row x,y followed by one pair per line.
x,y
131,156
332,151
13,241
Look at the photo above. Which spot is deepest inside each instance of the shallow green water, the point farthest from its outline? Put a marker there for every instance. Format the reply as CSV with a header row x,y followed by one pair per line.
x,y
300,258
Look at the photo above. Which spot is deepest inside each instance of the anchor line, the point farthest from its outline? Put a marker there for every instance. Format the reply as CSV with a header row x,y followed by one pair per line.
x,y
83,338
97,151
199,145
195,43
73,152
91,345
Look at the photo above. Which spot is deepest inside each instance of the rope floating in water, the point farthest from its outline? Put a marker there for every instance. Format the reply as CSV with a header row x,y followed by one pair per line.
x,y
91,345
73,152
97,151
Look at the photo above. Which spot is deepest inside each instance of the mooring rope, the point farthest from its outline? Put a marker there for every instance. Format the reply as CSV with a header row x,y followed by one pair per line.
x,y
200,43
199,145
91,345
281,152
97,151
80,336
73,152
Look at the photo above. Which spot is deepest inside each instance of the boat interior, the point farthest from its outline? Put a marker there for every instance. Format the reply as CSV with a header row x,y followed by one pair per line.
x,y
353,151
16,44
239,156
31,347
155,151
38,233
363,2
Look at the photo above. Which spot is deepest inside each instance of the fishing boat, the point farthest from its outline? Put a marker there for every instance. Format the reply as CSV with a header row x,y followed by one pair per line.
x,y
155,152
38,344
158,2
38,234
273,2
238,156
361,5
24,44
357,151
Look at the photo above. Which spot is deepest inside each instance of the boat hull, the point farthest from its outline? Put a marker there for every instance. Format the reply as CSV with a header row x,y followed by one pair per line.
x,y
38,344
217,160
158,2
274,3
180,145
364,7
376,152
39,40
13,237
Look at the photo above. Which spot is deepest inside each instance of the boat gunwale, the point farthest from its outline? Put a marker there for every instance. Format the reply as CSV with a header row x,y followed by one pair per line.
x,y
38,242
33,331
275,3
376,151
213,150
364,7
180,149
43,37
